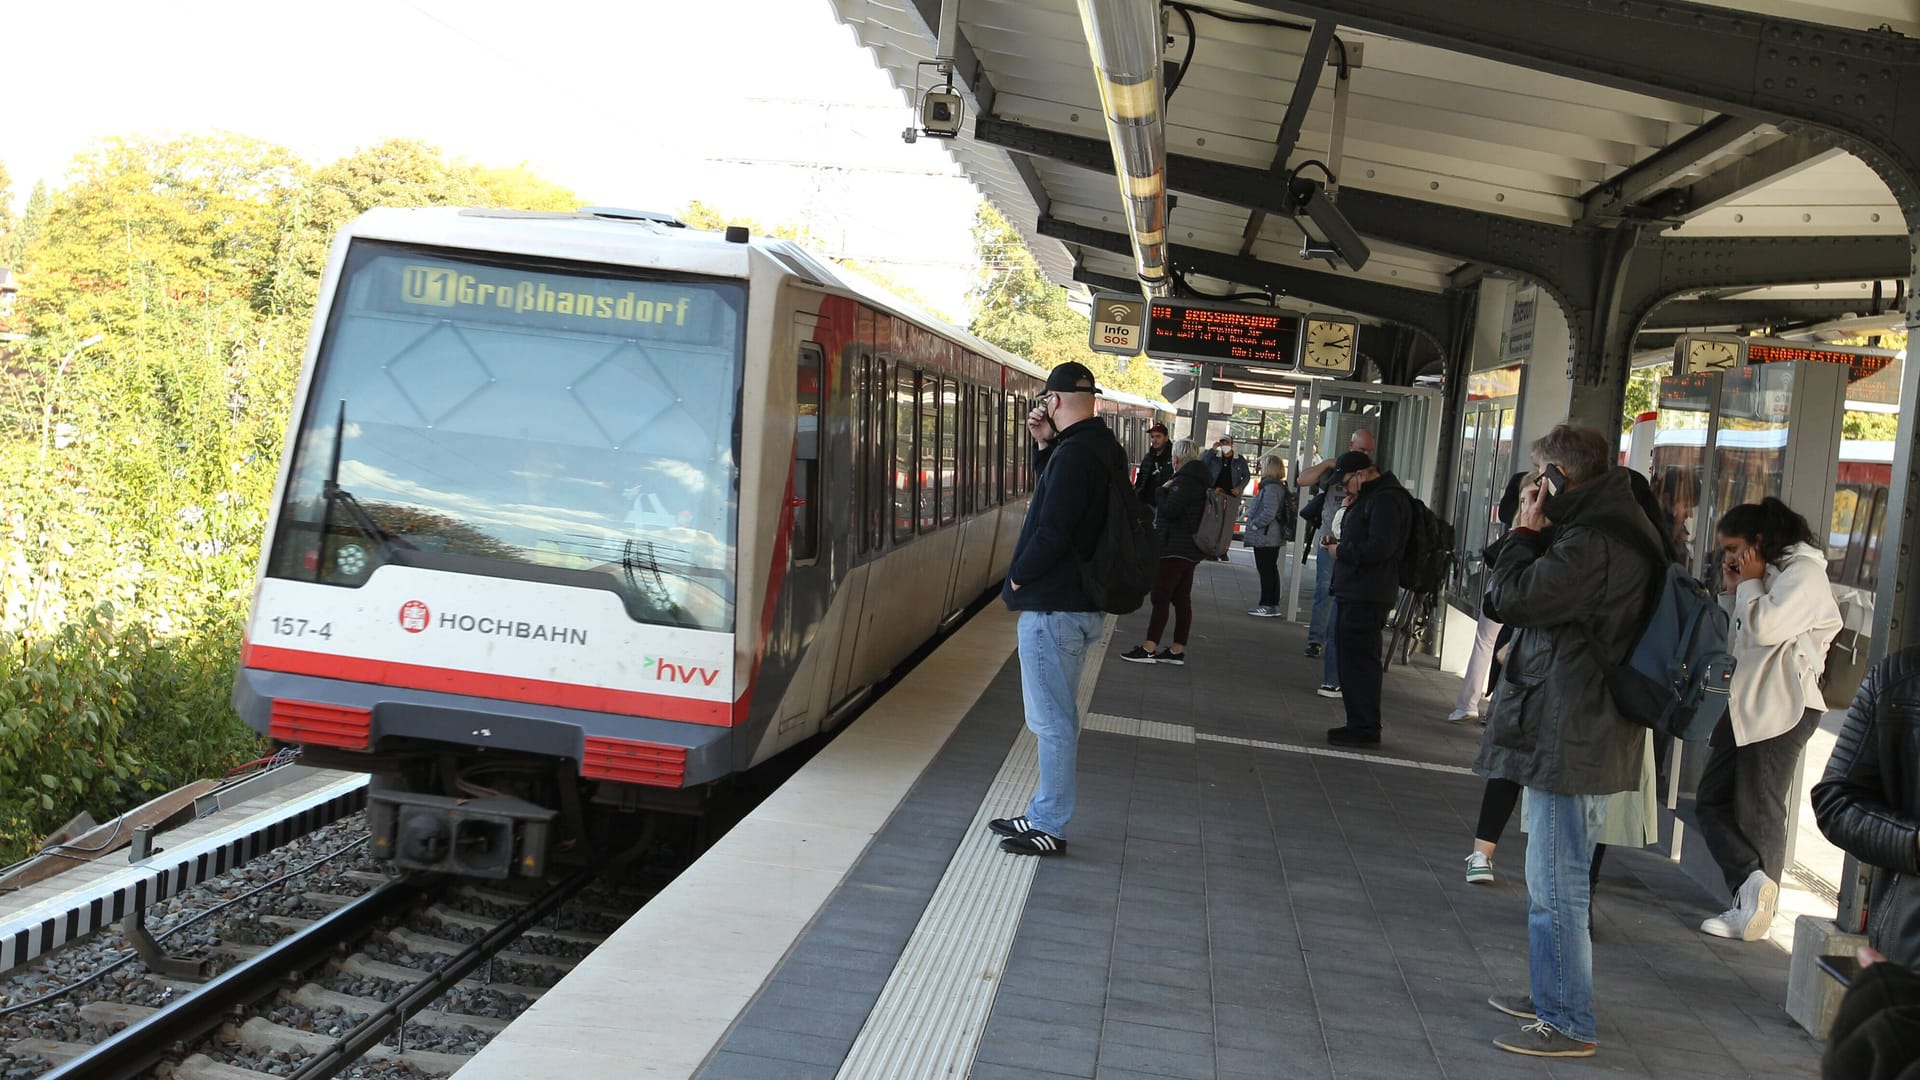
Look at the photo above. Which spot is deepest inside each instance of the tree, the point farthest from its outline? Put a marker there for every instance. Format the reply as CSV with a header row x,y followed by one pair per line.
x,y
1018,309
1643,393
7,223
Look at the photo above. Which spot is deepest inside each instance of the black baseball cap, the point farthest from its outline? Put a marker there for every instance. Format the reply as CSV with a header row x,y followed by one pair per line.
x,y
1071,378
1350,462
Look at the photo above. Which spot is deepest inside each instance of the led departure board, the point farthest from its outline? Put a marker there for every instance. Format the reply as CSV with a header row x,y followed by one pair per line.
x,y
1873,377
1221,333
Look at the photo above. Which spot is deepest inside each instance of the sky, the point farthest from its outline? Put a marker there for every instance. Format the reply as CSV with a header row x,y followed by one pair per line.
x,y
765,108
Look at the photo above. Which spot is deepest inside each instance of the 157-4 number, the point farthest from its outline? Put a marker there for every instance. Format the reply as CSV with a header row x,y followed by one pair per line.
x,y
288,626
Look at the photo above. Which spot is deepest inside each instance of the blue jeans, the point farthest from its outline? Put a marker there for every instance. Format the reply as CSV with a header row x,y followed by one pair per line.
x,y
1320,623
1053,647
1561,832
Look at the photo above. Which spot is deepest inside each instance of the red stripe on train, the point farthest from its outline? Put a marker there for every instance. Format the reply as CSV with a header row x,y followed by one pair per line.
x,y
477,684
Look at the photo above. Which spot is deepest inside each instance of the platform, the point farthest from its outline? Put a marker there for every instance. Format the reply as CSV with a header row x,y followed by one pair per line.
x,y
1238,900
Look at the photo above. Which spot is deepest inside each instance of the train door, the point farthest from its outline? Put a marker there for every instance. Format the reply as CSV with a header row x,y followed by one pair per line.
x,y
809,583
867,474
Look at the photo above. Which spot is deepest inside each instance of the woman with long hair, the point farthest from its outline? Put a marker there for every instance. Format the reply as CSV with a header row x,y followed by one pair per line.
x,y
1182,501
1267,521
1783,619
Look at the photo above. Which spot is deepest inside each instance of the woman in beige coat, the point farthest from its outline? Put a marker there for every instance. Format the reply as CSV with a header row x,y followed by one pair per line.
x,y
1783,619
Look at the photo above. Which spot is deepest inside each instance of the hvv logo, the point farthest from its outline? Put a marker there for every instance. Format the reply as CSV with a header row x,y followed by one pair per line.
x,y
665,670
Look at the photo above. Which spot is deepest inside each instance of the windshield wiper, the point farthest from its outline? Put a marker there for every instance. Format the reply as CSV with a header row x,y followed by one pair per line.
x,y
384,543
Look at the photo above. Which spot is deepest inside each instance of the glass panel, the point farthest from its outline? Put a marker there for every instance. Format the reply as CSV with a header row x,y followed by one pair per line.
x,y
539,422
949,482
929,451
806,454
905,423
1680,462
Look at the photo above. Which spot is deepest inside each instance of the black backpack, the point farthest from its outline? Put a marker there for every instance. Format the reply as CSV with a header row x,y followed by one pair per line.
x,y
1126,558
1428,556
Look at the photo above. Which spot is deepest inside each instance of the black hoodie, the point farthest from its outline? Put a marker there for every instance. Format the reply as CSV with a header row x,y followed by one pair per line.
x,y
1064,518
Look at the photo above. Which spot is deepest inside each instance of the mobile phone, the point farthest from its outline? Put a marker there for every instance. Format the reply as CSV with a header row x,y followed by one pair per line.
x,y
1556,480
1844,969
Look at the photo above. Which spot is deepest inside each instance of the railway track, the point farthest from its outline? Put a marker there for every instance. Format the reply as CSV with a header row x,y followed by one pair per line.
x,y
406,979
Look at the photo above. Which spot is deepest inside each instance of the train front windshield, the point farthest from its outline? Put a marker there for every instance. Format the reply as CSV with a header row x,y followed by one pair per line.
x,y
529,420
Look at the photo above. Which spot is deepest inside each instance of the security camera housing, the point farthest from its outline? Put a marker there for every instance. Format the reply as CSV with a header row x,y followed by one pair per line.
x,y
940,114
1329,235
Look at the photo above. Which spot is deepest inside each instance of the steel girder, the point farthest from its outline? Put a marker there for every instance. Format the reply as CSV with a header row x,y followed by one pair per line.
x,y
1622,195
1681,314
1430,314
1861,87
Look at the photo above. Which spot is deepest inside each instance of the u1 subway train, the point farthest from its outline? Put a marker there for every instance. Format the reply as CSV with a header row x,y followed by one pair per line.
x,y
579,514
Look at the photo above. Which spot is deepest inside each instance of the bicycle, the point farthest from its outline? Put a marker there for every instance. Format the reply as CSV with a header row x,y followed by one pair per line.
x,y
1412,621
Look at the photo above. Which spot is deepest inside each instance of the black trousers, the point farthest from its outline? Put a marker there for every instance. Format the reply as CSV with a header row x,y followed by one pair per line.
x,y
1742,804
1267,562
1497,803
1356,633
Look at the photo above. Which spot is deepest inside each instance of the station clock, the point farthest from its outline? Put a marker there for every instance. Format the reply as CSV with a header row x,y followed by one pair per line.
x,y
1328,344
1711,354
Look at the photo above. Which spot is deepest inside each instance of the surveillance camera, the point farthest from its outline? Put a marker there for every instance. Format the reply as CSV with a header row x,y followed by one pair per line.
x,y
1328,233
940,113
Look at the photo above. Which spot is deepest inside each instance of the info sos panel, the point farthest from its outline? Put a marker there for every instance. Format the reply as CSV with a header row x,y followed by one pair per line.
x,y
1243,334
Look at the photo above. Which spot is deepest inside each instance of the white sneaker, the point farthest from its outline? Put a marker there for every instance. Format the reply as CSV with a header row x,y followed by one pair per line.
x,y
1731,923
1759,895
1328,691
1479,868
1458,717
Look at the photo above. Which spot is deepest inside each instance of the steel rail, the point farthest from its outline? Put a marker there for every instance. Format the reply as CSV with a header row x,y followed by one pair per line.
x,y
146,1042
375,1027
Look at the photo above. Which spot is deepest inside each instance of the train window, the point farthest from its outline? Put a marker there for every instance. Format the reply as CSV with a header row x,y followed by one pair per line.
x,y
877,452
929,450
905,423
983,448
551,444
949,464
807,439
862,450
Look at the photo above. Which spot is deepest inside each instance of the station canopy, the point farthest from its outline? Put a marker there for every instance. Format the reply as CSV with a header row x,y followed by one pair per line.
x,y
1410,129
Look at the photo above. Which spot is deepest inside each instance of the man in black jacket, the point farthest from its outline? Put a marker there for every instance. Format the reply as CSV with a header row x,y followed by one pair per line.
x,y
1156,468
1076,459
1868,801
1366,579
1576,603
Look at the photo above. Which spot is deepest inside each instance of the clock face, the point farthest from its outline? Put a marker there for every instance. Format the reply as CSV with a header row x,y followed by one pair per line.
x,y
1712,355
1327,345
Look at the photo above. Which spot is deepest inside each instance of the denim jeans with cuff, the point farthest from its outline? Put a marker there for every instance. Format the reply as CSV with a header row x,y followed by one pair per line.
x,y
1053,648
1561,833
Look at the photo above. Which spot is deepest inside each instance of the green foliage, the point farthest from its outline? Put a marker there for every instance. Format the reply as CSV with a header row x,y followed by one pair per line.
x,y
1643,393
136,469
7,223
1018,309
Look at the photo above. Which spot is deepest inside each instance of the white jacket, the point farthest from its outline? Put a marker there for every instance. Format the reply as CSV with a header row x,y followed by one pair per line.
x,y
1782,623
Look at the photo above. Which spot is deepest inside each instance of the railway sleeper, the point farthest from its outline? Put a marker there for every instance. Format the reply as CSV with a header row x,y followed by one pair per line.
x,y
52,1049
453,917
264,1034
416,942
202,1067
367,967
330,901
502,897
319,997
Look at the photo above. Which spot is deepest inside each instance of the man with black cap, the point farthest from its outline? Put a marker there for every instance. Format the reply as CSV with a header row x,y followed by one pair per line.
x,y
1076,459
1366,580
1156,468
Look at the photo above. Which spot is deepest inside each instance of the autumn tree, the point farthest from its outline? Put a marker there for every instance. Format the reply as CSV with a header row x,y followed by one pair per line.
x,y
1018,309
7,222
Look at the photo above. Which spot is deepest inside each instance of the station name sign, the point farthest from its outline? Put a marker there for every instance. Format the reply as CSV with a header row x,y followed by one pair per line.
x,y
1221,333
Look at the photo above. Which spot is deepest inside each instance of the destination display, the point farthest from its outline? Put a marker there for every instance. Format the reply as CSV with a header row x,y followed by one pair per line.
x,y
1873,376
1221,333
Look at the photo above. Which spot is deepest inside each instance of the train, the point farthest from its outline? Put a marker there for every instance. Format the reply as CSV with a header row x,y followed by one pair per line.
x,y
581,515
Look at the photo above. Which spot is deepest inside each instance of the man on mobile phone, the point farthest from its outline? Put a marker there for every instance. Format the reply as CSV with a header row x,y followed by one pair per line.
x,y
1366,580
1576,604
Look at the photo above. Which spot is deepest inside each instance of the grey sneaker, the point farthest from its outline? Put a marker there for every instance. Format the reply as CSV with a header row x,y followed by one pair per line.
x,y
1518,1006
1540,1039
